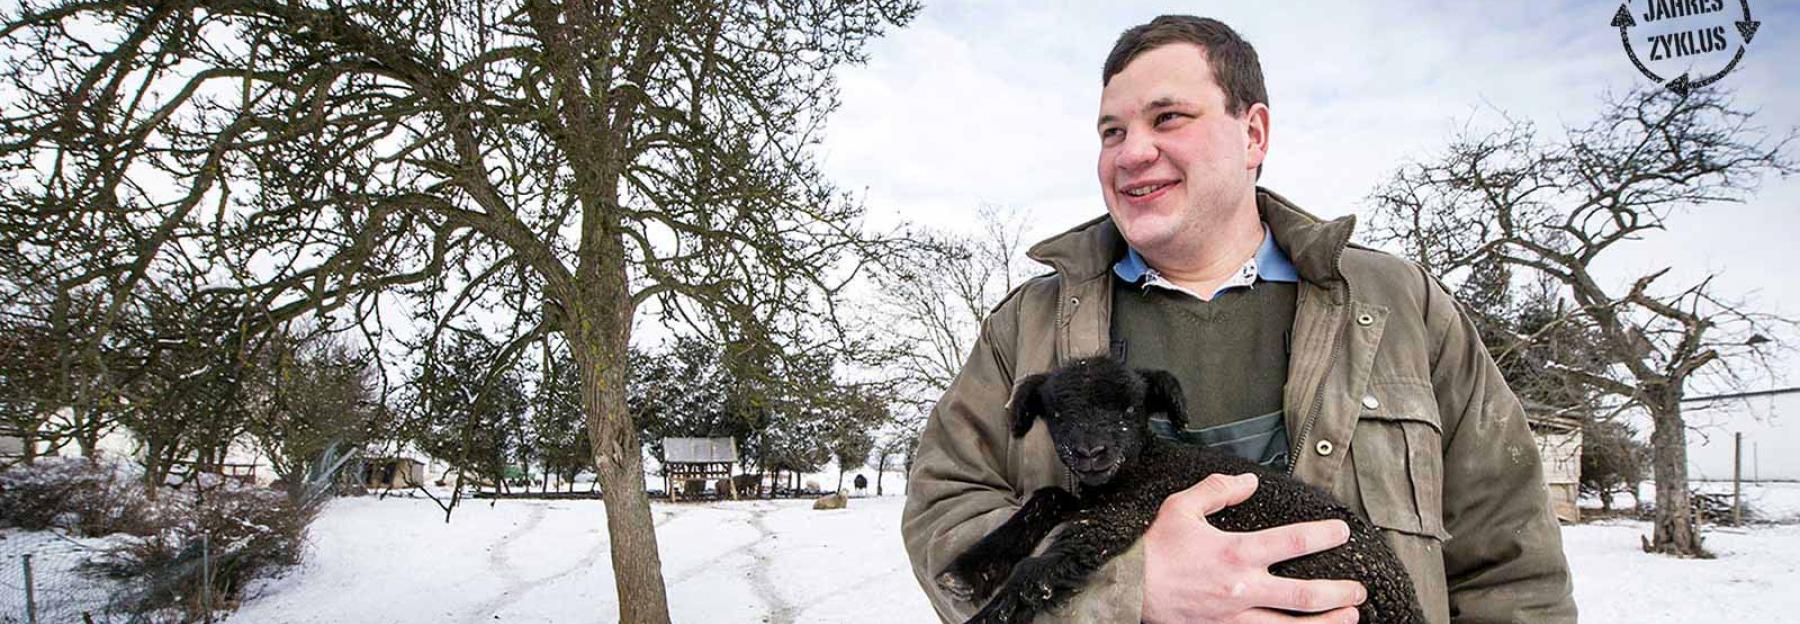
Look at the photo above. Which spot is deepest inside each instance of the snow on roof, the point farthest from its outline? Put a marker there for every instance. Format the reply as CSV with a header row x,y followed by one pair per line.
x,y
698,450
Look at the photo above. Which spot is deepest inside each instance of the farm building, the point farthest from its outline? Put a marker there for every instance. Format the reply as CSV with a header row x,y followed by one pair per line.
x,y
381,473
1559,449
11,446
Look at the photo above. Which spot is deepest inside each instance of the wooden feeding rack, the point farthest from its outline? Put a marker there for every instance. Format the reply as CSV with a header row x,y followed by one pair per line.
x,y
705,459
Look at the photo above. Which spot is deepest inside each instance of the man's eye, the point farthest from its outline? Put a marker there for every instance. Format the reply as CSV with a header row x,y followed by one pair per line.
x,y
1111,133
1162,117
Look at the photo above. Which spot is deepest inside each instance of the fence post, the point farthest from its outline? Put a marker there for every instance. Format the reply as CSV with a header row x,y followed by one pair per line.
x,y
30,593
206,577
1737,480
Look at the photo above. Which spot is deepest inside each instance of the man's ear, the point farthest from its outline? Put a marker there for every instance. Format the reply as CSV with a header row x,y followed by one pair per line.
x,y
1162,394
1027,403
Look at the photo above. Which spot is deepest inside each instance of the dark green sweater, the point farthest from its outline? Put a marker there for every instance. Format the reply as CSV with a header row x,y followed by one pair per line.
x,y
1230,354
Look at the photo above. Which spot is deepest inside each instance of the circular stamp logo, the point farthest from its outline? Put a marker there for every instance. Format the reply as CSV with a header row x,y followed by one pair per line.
x,y
1685,44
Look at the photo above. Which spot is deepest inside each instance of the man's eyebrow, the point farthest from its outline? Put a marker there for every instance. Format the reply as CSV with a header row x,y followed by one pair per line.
x,y
1165,102
1158,103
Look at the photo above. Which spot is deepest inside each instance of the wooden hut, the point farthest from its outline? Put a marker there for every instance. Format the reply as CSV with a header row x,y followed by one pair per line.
x,y
12,447
687,460
1559,449
383,473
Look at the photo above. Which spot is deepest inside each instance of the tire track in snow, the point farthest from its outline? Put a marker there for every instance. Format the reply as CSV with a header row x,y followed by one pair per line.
x,y
502,566
784,611
517,586
708,565
780,610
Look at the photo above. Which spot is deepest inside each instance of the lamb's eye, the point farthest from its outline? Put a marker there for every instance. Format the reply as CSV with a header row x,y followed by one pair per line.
x,y
1129,410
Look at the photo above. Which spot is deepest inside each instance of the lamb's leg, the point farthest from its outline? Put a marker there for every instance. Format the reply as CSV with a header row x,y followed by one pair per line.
x,y
1040,583
977,571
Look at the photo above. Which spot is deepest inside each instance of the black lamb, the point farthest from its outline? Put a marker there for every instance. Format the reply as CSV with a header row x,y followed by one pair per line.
x,y
1098,414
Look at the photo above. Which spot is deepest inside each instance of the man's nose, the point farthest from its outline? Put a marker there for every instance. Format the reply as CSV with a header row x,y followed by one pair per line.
x,y
1136,151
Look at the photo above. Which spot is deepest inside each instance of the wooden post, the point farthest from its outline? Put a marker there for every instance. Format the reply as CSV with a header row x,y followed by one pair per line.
x,y
731,481
30,593
1737,479
206,577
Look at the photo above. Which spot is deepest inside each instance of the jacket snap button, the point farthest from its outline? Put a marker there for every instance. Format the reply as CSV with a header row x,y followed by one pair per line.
x,y
1370,402
1364,319
1074,301
1323,447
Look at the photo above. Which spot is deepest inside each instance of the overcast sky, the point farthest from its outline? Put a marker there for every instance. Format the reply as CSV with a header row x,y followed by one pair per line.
x,y
995,102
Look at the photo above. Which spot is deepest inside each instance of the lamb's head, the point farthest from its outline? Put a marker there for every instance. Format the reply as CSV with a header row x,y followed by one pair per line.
x,y
1097,412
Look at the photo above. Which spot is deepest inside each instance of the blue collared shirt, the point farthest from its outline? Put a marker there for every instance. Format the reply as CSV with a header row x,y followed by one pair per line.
x,y
1270,264
1262,439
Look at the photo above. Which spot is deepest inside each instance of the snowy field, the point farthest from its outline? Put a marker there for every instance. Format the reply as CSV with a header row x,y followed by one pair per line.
x,y
396,562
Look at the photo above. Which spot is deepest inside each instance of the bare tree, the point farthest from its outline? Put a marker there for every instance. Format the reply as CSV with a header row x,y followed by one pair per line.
x,y
1553,209
565,162
310,396
934,299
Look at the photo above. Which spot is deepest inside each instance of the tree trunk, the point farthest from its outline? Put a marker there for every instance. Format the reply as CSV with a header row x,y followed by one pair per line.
x,y
1675,533
599,337
87,436
880,469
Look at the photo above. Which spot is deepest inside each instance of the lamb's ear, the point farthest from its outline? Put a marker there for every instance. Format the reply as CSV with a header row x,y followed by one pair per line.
x,y
1162,394
1027,404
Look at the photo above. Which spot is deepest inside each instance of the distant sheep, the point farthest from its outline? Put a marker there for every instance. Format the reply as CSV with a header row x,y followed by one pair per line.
x,y
832,501
1098,413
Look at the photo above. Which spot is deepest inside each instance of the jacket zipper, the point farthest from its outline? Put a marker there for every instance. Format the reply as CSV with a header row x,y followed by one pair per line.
x,y
1337,344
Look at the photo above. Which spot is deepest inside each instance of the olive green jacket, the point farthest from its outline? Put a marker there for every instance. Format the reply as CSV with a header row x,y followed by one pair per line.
x,y
1392,404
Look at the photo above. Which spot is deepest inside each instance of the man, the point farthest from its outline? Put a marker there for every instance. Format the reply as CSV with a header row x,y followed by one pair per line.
x,y
1352,369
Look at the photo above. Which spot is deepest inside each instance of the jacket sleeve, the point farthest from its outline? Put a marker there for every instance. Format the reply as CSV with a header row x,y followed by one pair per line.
x,y
957,492
960,489
1504,560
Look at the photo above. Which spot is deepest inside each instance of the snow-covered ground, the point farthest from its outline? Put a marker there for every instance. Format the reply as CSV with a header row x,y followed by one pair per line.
x,y
395,561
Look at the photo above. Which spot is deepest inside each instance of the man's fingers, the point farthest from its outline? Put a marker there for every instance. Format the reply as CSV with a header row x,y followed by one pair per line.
x,y
1211,494
1345,615
1261,548
1307,596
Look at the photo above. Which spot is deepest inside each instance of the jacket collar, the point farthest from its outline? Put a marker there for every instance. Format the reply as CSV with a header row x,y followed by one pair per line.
x,y
1312,244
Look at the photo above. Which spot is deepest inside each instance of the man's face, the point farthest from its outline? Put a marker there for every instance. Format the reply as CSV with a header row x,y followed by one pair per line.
x,y
1173,162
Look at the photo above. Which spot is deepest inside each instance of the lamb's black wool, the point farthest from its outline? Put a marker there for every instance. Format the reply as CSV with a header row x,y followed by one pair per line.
x,y
1097,411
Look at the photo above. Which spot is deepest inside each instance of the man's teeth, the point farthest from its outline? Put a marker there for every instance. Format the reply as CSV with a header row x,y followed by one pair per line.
x,y
1144,190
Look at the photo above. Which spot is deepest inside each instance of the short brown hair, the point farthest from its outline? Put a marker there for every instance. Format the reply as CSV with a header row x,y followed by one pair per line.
x,y
1234,64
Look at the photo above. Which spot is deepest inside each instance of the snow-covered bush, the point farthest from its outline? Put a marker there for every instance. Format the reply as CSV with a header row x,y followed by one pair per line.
x,y
92,498
164,552
240,532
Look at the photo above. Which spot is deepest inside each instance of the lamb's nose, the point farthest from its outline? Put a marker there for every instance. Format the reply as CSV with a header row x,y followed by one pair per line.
x,y
1089,452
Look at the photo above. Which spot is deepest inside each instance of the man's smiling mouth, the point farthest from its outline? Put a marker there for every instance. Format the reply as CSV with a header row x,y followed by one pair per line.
x,y
1146,188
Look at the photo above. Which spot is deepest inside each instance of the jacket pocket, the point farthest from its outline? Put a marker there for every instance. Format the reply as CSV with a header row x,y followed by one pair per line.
x,y
1397,451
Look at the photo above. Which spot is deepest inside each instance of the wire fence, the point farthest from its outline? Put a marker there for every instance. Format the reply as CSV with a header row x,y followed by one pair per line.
x,y
41,582
49,579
